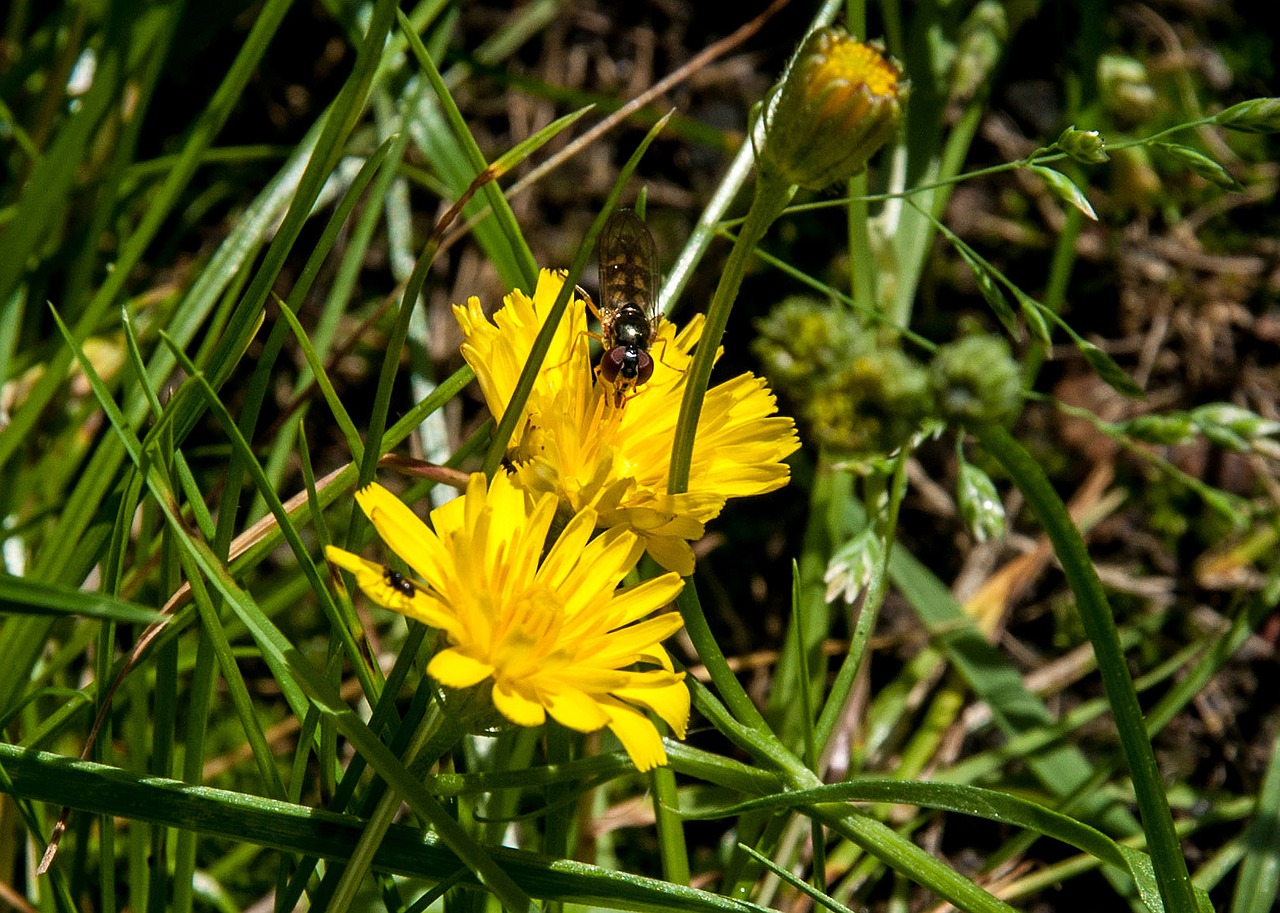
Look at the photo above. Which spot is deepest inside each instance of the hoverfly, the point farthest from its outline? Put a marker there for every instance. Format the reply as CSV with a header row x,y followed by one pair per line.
x,y
628,310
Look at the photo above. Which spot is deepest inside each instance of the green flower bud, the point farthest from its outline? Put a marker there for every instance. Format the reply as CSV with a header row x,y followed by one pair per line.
x,y
1065,189
979,503
873,405
976,381
1170,429
803,341
1231,426
1201,164
1257,115
1085,146
837,104
979,44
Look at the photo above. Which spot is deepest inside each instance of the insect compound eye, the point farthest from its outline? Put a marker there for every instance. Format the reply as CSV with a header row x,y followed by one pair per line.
x,y
644,368
611,363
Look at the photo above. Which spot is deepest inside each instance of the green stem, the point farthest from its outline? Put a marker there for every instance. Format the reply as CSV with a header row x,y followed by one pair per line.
x,y
731,691
438,732
867,615
671,842
1095,614
771,198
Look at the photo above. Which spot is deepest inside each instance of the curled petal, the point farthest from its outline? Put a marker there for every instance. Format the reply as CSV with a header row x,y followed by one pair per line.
x,y
638,736
513,702
455,669
577,710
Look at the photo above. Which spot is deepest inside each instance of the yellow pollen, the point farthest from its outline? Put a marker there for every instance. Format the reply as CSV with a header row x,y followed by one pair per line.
x,y
860,63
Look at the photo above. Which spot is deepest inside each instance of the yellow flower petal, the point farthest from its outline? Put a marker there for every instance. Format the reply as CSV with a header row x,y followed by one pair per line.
x,y
672,553
577,710
455,669
664,694
375,581
638,736
624,646
637,601
400,528
607,557
520,708
555,636
574,443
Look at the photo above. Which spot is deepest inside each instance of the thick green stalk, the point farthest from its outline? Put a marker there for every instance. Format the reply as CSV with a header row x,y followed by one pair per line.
x,y
1095,614
771,198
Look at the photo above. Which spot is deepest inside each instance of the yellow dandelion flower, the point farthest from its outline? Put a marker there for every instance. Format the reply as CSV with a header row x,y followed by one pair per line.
x,y
574,442
552,635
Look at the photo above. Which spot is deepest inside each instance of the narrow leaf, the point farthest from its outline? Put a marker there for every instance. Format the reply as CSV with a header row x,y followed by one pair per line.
x,y
27,597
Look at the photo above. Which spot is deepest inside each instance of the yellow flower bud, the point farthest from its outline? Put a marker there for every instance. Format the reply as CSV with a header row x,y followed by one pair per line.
x,y
837,104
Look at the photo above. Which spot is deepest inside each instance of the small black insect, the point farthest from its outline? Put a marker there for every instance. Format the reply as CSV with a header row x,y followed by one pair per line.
x,y
399,582
628,311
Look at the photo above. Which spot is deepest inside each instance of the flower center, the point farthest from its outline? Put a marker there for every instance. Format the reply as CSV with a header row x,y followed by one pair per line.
x,y
528,634
858,64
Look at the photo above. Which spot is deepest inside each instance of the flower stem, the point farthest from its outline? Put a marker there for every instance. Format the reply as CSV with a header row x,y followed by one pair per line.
x,y
771,197
867,615
380,821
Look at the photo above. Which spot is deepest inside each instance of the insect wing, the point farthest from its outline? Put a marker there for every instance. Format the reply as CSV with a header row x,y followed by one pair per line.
x,y
628,267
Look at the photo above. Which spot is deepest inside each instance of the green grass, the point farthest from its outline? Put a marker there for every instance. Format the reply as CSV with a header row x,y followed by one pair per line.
x,y
216,325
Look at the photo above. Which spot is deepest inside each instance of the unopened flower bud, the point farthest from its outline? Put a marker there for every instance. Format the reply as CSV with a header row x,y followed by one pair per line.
x,y
1085,146
837,104
1160,429
979,503
1257,115
979,44
1230,426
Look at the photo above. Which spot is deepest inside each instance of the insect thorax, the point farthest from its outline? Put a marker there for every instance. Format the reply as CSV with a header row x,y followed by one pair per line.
x,y
631,327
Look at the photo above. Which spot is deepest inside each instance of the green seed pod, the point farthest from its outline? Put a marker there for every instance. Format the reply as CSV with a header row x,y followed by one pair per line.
x,y
803,341
975,381
873,405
